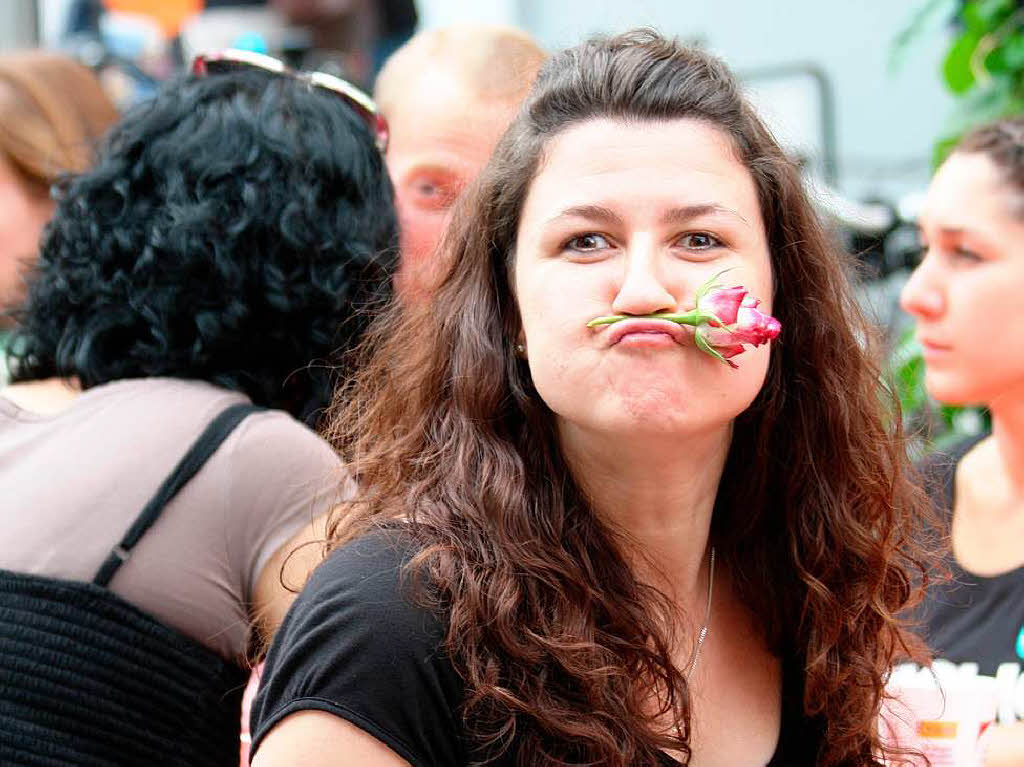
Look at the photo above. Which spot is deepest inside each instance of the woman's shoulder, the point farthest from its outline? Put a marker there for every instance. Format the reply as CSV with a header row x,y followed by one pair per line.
x,y
269,447
366,588
272,442
938,470
359,643
276,443
373,564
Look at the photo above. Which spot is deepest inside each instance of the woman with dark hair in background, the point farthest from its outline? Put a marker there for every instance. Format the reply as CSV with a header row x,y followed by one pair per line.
x,y
580,543
966,297
53,113
211,268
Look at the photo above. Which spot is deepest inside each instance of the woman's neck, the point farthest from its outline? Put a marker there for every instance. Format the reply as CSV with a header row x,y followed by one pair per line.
x,y
660,493
1008,433
46,397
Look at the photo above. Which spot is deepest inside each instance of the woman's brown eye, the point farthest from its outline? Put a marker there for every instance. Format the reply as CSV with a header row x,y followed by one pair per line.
x,y
699,241
587,242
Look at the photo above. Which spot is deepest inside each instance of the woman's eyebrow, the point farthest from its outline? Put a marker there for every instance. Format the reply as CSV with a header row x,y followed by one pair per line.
x,y
597,213
677,215
686,213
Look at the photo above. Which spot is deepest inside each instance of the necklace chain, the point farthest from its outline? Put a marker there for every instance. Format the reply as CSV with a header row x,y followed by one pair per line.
x,y
702,635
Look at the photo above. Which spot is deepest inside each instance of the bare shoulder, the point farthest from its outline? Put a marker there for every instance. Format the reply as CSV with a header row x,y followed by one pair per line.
x,y
981,486
319,739
979,463
47,397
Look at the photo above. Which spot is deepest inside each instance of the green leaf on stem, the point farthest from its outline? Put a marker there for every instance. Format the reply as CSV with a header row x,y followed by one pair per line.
x,y
704,346
957,66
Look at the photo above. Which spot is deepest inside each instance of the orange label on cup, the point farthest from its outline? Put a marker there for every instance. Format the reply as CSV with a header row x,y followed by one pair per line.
x,y
943,730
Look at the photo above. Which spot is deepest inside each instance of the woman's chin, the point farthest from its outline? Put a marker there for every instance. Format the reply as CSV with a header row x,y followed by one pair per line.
x,y
660,415
948,390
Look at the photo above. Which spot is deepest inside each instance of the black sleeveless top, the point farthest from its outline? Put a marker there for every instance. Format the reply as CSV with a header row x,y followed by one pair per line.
x,y
356,646
969,618
88,678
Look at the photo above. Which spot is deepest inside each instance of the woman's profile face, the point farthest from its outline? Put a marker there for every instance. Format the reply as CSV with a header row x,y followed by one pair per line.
x,y
631,218
968,293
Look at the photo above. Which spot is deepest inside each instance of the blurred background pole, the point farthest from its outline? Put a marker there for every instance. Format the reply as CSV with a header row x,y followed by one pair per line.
x,y
19,24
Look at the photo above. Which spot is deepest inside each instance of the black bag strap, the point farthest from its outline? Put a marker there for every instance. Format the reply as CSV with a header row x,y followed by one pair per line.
x,y
205,446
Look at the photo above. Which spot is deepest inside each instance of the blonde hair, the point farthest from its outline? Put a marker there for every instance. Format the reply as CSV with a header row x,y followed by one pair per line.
x,y
53,111
492,62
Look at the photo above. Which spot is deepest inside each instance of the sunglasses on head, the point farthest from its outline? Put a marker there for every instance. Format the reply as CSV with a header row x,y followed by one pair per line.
x,y
233,60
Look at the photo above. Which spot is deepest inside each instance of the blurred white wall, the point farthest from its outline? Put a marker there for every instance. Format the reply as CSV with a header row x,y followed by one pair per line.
x,y
885,121
53,18
438,13
18,19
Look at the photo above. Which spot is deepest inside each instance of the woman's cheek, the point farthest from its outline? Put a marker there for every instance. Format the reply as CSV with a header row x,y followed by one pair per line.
x,y
556,303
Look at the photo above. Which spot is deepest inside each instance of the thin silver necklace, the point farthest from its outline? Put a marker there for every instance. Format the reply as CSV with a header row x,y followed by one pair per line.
x,y
707,619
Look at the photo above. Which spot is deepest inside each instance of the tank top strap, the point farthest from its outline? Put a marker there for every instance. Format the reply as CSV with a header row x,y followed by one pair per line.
x,y
197,455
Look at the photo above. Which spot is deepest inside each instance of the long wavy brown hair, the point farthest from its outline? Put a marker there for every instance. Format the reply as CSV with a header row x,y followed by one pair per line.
x,y
562,650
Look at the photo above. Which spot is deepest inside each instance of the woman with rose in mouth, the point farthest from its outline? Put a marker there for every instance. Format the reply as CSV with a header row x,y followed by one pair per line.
x,y
579,537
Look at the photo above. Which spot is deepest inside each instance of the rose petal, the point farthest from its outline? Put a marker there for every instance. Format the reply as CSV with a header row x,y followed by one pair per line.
x,y
729,351
724,303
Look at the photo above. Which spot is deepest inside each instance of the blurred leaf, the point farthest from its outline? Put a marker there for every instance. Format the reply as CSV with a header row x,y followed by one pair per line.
x,y
992,12
995,63
947,412
908,372
976,108
971,17
1013,51
911,379
957,66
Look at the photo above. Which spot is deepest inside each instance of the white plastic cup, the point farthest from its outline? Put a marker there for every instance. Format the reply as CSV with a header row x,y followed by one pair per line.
x,y
943,715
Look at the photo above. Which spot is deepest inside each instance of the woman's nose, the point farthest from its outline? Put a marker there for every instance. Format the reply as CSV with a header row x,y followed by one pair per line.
x,y
643,289
922,296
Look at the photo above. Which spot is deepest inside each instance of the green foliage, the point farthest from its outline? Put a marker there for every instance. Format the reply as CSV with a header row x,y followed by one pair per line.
x,y
984,67
984,64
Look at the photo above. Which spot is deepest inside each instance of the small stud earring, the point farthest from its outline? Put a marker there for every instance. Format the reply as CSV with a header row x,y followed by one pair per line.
x,y
520,350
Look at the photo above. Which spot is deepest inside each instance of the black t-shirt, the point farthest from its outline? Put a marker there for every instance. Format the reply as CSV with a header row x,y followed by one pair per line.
x,y
970,618
355,645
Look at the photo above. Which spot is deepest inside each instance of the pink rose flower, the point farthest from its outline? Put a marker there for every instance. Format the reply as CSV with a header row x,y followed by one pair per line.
x,y
751,326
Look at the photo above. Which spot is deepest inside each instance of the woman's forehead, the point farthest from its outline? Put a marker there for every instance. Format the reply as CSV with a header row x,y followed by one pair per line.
x,y
629,164
968,189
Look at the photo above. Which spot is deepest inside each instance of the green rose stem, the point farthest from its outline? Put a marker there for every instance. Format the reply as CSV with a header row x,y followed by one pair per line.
x,y
693,318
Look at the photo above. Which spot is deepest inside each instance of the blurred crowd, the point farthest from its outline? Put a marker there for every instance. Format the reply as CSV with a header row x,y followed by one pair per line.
x,y
278,276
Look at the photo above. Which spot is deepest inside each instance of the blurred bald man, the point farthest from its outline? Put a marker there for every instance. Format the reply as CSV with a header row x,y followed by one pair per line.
x,y
448,95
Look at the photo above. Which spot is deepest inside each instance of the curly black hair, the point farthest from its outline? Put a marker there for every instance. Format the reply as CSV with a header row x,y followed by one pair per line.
x,y
237,229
